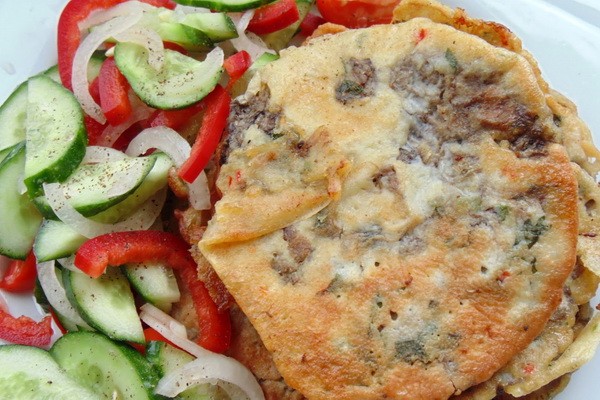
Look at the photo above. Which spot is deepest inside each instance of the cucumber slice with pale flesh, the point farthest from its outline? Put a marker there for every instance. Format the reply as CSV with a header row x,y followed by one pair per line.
x,y
154,282
181,82
105,303
12,117
168,359
93,188
113,370
217,26
19,219
55,240
55,133
154,181
225,5
28,373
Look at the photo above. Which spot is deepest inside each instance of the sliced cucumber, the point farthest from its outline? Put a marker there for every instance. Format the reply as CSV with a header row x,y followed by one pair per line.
x,y
93,188
168,358
225,5
106,303
93,68
181,81
155,283
112,370
55,133
281,39
30,373
4,153
19,219
186,36
217,26
53,73
12,117
56,240
154,181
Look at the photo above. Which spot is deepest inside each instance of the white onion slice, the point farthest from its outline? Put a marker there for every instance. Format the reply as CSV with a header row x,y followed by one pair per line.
x,y
82,57
178,149
112,133
55,293
163,323
214,369
163,138
190,10
231,375
250,42
99,154
146,38
166,321
199,193
69,263
101,16
142,219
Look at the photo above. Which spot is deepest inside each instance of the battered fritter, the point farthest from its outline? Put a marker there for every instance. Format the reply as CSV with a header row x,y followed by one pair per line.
x,y
398,215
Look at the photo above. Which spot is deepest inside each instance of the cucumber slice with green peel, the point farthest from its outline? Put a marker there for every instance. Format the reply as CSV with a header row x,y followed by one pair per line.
x,y
113,370
281,39
53,73
168,359
4,153
55,134
155,180
105,303
171,31
225,5
93,68
12,117
55,240
19,219
93,188
154,282
30,373
217,26
181,82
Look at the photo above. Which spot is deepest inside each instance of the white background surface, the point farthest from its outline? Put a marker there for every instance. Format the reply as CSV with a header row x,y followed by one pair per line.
x,y
563,35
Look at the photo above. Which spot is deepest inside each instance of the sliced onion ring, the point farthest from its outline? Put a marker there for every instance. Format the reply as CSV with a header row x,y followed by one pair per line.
x,y
55,293
123,9
142,219
163,138
210,367
112,133
83,55
178,149
98,154
249,42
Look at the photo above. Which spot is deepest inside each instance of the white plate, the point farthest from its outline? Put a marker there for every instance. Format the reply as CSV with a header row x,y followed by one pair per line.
x,y
563,35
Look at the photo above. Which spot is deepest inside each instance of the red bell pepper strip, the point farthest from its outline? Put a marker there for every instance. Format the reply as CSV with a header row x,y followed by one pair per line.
x,y
24,330
274,16
175,119
69,36
310,23
236,65
95,255
113,89
213,124
20,275
150,335
94,129
175,47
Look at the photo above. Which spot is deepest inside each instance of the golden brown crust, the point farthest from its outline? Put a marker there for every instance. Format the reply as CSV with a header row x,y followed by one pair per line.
x,y
409,279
